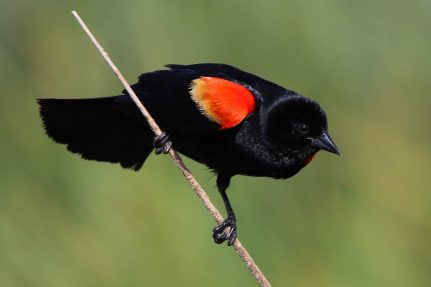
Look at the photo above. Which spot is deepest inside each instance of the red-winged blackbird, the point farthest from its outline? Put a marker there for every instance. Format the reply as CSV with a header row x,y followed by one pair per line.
x,y
232,121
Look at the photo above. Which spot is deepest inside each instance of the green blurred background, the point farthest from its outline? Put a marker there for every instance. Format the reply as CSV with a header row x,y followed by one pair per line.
x,y
363,220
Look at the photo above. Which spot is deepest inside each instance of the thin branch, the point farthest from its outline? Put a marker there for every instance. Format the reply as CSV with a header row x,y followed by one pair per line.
x,y
239,248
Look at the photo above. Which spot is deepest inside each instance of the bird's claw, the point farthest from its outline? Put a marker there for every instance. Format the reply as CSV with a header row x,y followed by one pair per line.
x,y
219,234
162,143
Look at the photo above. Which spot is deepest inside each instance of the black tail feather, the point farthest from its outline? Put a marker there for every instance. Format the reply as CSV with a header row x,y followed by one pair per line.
x,y
97,129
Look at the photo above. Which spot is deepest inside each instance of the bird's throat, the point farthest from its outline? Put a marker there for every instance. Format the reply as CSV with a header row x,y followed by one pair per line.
x,y
309,159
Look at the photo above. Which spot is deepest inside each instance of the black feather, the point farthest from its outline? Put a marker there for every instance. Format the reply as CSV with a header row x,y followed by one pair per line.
x,y
97,129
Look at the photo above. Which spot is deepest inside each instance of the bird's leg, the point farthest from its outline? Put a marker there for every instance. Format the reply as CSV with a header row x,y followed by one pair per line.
x,y
162,143
219,234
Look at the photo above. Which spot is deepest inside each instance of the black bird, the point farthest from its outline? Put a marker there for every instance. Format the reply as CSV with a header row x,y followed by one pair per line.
x,y
234,122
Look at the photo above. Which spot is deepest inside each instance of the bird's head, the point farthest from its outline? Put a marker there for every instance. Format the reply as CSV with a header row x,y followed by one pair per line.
x,y
296,128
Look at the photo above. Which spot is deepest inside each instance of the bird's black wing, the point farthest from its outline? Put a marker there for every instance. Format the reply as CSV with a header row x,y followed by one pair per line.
x,y
170,99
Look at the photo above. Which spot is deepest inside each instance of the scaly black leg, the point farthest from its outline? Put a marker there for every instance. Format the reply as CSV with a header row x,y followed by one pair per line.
x,y
162,144
219,234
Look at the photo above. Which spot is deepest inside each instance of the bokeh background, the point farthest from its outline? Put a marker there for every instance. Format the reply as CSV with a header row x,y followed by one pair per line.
x,y
363,220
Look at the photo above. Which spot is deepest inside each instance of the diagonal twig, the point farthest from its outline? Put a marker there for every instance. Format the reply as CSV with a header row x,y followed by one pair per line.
x,y
239,248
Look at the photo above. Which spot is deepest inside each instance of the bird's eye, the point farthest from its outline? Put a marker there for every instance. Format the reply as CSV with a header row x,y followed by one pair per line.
x,y
303,129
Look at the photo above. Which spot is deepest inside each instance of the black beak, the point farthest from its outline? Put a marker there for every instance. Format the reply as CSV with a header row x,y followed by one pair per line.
x,y
326,143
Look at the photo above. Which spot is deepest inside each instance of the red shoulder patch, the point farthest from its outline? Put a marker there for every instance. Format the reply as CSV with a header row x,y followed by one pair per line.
x,y
224,102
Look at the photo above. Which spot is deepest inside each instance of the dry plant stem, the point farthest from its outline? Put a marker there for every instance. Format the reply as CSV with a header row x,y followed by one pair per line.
x,y
242,252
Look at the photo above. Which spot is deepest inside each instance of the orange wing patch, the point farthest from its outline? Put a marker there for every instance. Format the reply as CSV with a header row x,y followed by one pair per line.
x,y
222,101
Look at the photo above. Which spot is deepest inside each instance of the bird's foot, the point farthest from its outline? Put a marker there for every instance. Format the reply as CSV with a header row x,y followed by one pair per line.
x,y
219,234
162,143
